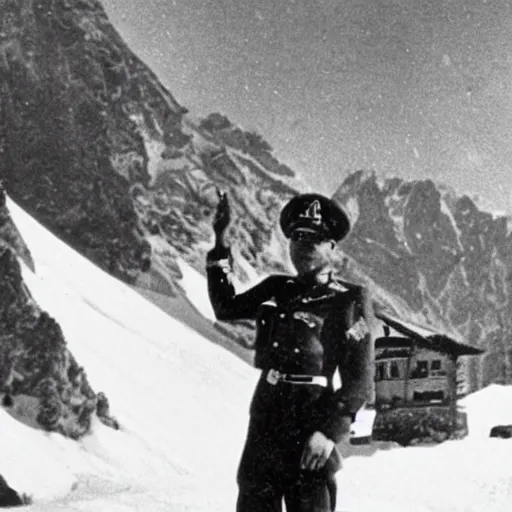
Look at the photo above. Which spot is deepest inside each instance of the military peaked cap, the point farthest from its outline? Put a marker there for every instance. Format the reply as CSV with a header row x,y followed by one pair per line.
x,y
314,213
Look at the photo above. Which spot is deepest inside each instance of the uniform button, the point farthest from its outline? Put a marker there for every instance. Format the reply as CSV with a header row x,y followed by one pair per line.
x,y
263,322
296,350
275,344
304,299
282,315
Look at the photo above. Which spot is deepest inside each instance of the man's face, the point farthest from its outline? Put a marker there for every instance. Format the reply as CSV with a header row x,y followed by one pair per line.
x,y
309,252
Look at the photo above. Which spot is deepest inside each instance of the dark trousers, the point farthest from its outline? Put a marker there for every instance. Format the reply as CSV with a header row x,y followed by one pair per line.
x,y
269,472
304,495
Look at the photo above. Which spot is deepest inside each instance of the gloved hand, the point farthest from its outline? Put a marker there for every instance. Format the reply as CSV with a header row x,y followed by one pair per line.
x,y
317,450
222,218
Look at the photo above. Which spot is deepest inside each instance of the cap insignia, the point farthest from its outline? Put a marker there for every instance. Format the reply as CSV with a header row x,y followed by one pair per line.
x,y
313,212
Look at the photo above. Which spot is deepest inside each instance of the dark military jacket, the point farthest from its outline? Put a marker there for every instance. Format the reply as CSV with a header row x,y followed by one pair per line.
x,y
302,328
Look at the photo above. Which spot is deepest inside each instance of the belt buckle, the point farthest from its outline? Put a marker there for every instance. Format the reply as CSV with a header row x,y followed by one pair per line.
x,y
273,377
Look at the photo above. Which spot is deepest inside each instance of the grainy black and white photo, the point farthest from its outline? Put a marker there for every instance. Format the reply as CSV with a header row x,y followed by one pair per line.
x,y
256,255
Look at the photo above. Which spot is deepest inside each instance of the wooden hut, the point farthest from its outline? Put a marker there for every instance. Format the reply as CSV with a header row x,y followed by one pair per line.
x,y
416,366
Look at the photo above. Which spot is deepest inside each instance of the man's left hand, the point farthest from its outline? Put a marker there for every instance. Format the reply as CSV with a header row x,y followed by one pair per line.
x,y
317,450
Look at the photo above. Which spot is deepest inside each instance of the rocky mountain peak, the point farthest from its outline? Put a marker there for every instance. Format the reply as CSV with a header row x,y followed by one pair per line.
x,y
96,148
440,255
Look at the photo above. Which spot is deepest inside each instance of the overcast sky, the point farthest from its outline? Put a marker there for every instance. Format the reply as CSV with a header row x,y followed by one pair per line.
x,y
415,88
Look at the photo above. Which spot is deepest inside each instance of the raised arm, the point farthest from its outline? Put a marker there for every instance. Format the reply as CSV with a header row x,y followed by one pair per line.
x,y
226,304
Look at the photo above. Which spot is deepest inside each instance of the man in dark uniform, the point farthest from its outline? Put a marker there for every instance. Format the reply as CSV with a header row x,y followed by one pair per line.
x,y
308,326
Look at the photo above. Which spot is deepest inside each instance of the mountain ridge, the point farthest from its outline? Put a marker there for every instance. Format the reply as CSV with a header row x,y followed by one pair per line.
x,y
449,261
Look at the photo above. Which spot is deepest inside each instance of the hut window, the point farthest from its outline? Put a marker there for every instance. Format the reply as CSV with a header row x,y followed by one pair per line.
x,y
436,368
435,364
395,370
428,396
420,371
381,371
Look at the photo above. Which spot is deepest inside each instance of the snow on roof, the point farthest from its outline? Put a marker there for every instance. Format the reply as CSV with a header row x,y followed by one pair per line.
x,y
428,337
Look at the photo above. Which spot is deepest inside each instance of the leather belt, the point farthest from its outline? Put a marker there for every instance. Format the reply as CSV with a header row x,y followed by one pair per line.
x,y
275,376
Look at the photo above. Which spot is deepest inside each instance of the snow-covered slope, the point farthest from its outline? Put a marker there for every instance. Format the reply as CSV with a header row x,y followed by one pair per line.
x,y
488,407
182,402
472,475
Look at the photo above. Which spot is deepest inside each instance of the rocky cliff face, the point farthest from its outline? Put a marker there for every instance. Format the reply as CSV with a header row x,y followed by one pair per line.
x,y
41,383
72,98
441,256
97,149
8,496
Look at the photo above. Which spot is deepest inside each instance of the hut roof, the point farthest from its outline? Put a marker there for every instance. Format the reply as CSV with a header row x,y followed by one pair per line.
x,y
424,337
